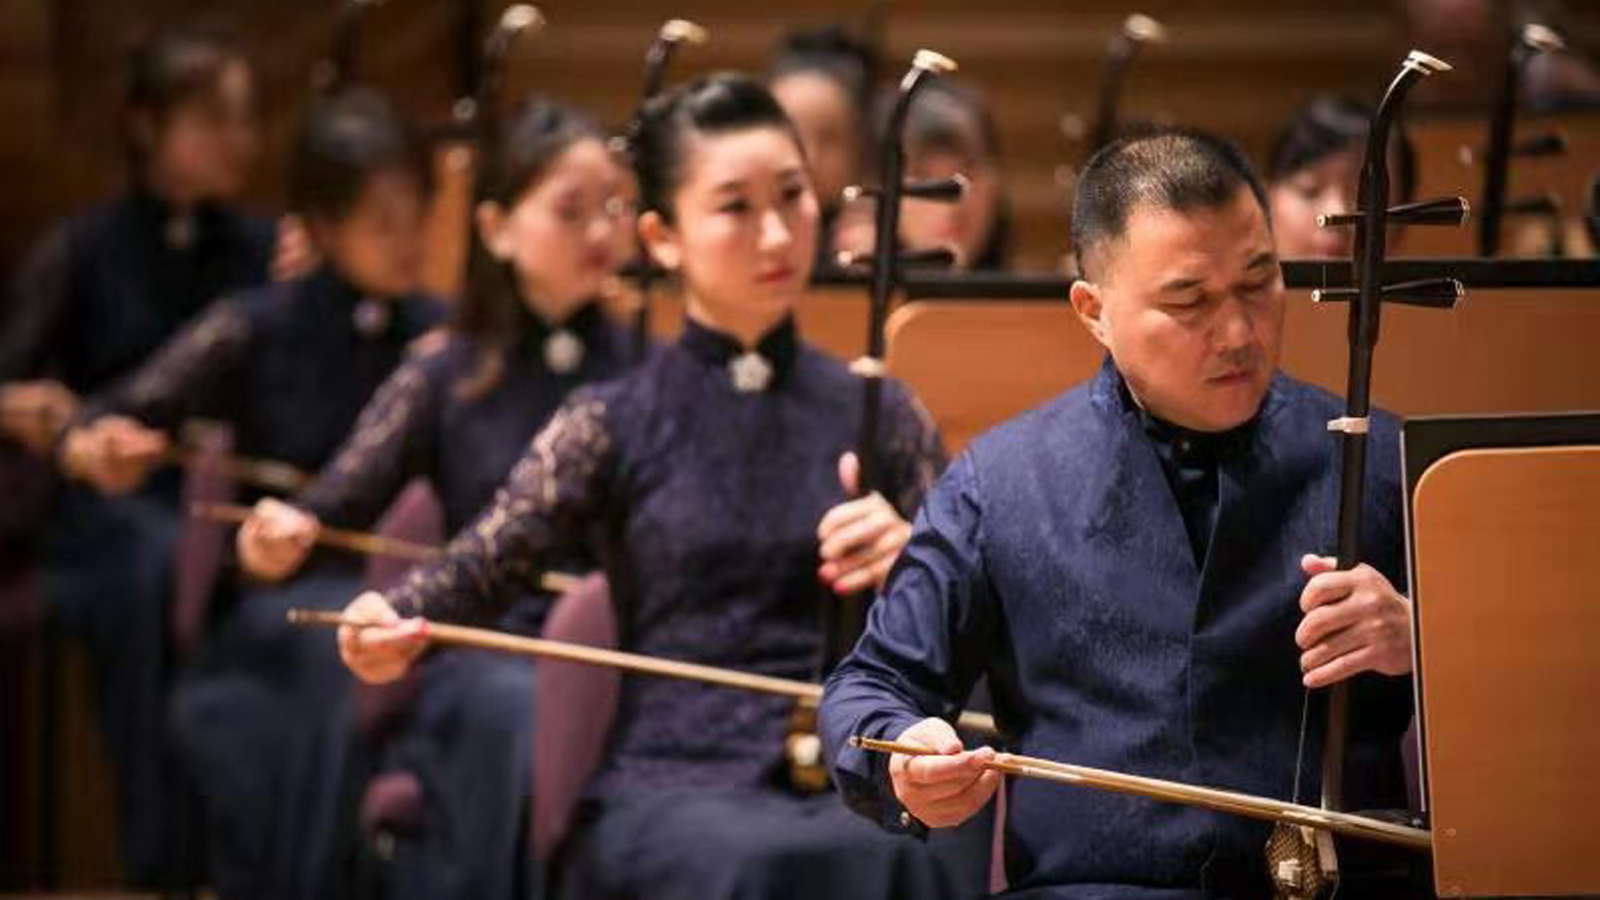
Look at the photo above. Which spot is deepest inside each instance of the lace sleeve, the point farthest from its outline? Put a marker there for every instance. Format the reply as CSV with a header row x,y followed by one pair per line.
x,y
541,513
186,376
913,451
388,447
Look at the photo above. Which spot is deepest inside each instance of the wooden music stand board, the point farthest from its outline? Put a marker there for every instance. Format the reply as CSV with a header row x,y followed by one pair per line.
x,y
1504,518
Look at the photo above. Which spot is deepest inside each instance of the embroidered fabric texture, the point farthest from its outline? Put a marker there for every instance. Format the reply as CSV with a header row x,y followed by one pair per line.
x,y
707,501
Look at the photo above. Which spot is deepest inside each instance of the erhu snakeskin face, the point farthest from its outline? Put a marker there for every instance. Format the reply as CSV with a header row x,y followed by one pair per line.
x,y
1294,864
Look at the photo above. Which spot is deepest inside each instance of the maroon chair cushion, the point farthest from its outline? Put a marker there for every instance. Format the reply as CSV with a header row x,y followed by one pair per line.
x,y
574,706
415,516
392,802
202,543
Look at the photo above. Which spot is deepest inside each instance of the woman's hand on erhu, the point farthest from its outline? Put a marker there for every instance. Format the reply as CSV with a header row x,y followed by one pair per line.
x,y
275,541
861,538
31,412
113,453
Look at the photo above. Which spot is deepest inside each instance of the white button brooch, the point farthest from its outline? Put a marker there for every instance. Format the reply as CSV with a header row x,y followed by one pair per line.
x,y
563,352
750,371
371,317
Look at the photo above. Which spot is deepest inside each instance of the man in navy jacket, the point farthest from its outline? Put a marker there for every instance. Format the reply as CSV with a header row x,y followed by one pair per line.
x,y
1136,567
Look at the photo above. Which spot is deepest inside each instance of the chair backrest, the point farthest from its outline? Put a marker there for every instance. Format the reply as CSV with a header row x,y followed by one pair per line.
x,y
1451,152
834,320
202,543
414,516
977,363
574,706
1499,351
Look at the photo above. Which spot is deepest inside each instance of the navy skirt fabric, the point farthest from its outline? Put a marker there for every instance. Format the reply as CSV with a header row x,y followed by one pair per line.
x,y
469,743
108,578
262,722
741,844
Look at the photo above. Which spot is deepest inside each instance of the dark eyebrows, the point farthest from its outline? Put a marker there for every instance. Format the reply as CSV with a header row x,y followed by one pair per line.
x,y
738,185
1178,285
1264,259
1261,259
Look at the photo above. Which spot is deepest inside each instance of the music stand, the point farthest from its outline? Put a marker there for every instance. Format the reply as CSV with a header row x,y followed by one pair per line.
x,y
1503,515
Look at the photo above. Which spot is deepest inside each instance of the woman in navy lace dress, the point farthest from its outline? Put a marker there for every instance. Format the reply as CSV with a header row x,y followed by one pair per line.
x,y
94,298
720,476
458,414
288,367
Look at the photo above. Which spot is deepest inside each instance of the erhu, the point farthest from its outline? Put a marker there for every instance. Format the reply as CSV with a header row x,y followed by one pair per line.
x,y
1303,860
1527,42
481,111
844,617
673,34
462,144
336,71
1300,853
1137,32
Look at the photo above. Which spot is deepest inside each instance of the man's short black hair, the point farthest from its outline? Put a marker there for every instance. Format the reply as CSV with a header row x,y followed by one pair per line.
x,y
1165,169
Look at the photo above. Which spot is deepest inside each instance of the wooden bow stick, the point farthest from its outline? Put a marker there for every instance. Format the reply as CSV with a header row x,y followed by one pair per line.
x,y
1248,805
485,639
364,542
268,474
262,473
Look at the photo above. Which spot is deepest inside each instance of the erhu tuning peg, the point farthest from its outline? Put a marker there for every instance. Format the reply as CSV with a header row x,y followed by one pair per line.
x,y
1443,211
944,190
845,259
1433,293
929,258
857,192
1440,211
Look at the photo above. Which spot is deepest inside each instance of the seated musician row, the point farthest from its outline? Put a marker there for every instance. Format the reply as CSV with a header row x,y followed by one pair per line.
x,y
715,476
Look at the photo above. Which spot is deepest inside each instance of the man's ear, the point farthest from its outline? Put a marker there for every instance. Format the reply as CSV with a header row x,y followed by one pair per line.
x,y
490,218
660,241
1089,304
